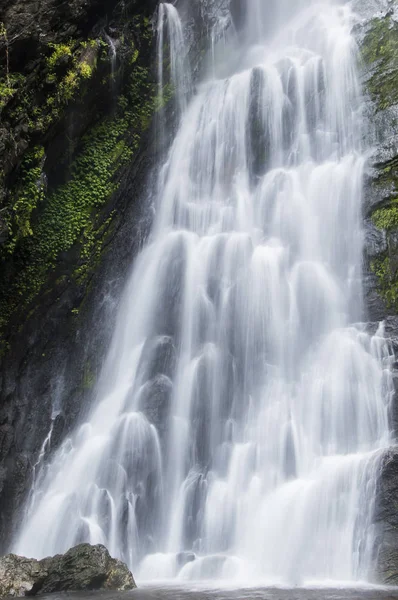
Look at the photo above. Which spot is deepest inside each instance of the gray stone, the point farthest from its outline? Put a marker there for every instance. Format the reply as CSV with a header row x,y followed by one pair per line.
x,y
18,575
375,240
83,567
386,521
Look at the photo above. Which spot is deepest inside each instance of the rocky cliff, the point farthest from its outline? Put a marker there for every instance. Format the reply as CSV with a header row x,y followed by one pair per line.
x,y
378,40
77,97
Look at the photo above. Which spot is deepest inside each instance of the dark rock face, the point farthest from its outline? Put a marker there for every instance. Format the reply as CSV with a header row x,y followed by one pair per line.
x,y
55,329
386,520
84,567
378,40
58,306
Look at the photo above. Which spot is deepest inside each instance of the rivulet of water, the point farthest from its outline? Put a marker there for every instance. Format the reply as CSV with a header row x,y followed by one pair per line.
x,y
242,410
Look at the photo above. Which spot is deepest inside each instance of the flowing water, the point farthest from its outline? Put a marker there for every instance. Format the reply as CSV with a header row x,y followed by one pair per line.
x,y
197,592
241,411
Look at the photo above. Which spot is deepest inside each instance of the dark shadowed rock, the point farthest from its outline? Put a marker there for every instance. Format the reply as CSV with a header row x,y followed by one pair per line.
x,y
386,521
83,567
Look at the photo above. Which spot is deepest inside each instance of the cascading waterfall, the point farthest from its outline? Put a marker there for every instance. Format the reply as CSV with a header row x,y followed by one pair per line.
x,y
180,76
241,411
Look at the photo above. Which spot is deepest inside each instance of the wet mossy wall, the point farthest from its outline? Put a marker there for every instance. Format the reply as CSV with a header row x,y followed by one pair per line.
x,y
76,154
380,59
78,169
70,125
380,50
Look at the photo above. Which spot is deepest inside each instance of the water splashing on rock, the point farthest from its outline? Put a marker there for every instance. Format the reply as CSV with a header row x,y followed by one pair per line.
x,y
242,410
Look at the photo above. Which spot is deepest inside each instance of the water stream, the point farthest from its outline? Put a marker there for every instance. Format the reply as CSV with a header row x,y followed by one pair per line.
x,y
242,407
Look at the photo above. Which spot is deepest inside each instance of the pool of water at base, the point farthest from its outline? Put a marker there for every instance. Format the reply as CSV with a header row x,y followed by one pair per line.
x,y
200,592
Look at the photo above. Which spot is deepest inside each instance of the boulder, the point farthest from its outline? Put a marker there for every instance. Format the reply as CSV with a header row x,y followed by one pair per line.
x,y
83,567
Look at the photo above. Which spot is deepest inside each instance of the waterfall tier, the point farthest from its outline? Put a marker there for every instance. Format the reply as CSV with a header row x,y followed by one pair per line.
x,y
242,409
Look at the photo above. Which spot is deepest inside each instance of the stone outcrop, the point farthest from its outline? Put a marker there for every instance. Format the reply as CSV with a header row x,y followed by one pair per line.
x,y
82,568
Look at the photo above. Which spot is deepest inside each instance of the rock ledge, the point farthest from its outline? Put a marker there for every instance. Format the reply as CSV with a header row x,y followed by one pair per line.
x,y
83,567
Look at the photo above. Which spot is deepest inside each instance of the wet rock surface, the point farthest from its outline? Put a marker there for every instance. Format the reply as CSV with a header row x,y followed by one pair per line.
x,y
52,346
386,520
377,36
52,351
83,567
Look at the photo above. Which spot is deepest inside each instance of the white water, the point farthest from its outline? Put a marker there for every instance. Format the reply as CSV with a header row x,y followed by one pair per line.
x,y
170,34
241,411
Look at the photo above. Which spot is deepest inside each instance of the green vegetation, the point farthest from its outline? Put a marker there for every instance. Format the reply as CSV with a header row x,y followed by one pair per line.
x,y
73,219
388,280
29,192
8,87
386,217
60,52
380,47
88,377
9,82
380,53
79,61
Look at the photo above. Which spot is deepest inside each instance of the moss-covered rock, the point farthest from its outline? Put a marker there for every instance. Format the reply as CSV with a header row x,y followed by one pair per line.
x,y
379,46
78,134
380,52
77,162
74,151
385,218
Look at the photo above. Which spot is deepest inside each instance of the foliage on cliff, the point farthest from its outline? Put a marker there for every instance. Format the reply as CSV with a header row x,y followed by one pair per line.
x,y
380,55
380,50
70,123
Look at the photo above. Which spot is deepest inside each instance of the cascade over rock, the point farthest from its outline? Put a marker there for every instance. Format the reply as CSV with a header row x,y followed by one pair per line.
x,y
243,409
73,169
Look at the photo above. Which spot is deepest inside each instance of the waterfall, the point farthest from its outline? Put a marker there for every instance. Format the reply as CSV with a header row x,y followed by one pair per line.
x,y
243,407
170,34
113,54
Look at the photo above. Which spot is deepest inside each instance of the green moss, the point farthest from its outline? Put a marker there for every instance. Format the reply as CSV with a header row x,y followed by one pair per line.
x,y
85,70
59,235
9,86
60,52
134,57
6,92
380,46
388,280
88,377
27,195
386,217
71,216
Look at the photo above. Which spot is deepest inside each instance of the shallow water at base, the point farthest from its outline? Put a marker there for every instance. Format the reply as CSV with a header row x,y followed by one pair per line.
x,y
203,593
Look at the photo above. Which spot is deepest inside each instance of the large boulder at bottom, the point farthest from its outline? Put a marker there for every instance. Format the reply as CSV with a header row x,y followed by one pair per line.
x,y
83,567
